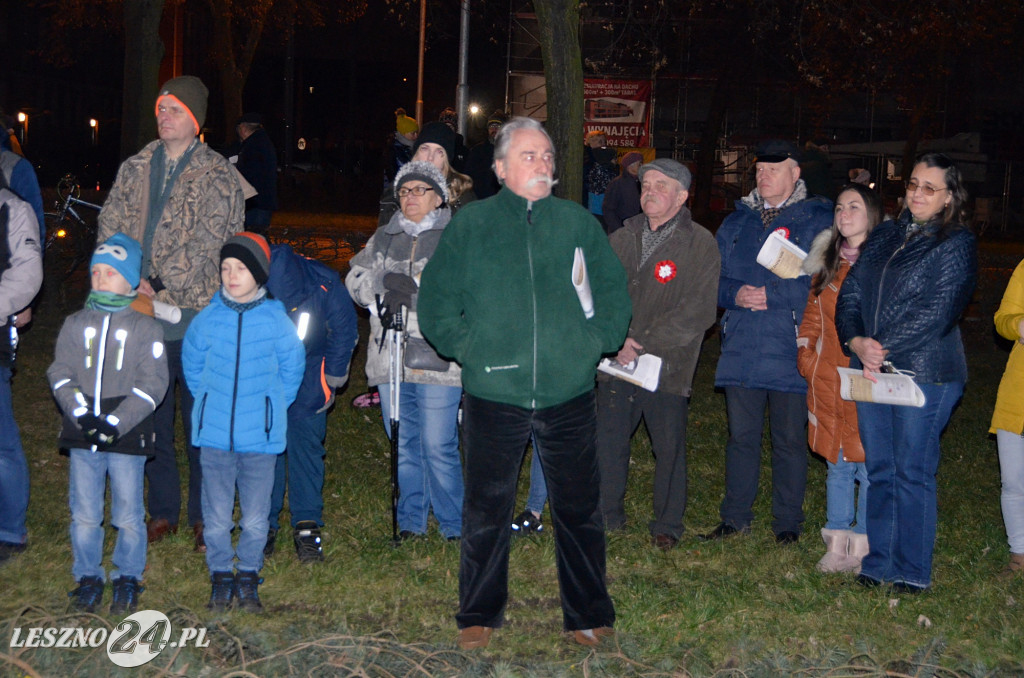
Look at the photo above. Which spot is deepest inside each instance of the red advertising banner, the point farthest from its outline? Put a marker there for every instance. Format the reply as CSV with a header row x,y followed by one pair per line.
x,y
620,109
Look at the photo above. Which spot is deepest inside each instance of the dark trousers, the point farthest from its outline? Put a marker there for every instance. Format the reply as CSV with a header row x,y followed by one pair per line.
x,y
162,469
494,437
787,417
302,465
620,407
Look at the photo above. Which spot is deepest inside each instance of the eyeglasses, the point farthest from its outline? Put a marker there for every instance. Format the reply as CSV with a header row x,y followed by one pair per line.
x,y
415,190
912,187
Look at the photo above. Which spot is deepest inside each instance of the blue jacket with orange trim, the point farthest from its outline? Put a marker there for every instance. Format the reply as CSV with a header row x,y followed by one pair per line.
x,y
325,317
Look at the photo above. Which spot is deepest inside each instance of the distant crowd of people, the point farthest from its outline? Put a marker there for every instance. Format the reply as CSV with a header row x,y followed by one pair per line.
x,y
549,324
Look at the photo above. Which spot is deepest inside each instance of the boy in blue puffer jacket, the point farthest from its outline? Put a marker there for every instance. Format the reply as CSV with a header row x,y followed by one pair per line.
x,y
321,308
243,362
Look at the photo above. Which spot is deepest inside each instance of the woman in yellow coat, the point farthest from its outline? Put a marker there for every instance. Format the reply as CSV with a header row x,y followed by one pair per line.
x,y
1008,418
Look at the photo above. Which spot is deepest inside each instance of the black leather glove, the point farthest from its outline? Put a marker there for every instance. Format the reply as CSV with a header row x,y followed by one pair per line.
x,y
400,289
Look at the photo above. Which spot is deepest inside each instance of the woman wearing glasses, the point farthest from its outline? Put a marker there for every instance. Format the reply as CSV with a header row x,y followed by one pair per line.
x,y
435,144
384,277
898,310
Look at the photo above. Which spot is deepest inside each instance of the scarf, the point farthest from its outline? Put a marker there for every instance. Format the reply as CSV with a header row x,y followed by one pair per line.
x,y
849,253
650,240
242,307
109,302
163,173
412,229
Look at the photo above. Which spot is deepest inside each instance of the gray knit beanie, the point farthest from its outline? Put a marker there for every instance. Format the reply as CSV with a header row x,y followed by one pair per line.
x,y
421,170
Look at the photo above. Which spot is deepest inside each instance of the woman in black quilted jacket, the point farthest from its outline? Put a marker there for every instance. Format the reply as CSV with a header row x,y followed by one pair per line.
x,y
899,310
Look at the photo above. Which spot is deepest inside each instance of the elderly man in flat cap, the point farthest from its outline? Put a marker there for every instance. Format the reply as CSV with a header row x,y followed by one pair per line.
x,y
181,200
757,368
672,267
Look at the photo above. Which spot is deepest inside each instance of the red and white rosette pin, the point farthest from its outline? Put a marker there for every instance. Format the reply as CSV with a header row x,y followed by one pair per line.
x,y
664,271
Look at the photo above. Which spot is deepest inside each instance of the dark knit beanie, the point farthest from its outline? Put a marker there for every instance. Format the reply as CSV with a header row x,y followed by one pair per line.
x,y
440,134
191,93
252,250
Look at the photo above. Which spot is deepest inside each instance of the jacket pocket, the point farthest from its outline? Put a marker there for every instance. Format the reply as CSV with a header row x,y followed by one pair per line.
x,y
268,416
202,410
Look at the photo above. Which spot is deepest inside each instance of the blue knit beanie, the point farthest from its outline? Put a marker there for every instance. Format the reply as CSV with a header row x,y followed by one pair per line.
x,y
123,254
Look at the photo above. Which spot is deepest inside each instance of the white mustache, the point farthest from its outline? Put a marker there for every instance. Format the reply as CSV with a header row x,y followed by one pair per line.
x,y
550,181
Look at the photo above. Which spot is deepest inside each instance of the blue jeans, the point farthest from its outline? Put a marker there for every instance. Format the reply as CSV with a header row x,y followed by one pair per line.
x,y
13,469
429,466
901,445
495,435
840,487
304,459
86,491
538,495
253,475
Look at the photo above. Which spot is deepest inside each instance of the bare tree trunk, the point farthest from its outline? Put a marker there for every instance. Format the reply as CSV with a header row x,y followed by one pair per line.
x,y
234,56
143,51
559,22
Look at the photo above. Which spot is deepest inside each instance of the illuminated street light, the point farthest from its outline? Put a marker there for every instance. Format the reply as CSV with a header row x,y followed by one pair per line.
x,y
94,130
474,109
23,119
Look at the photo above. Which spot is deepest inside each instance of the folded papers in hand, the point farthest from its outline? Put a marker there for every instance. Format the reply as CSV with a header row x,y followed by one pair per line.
x,y
781,257
643,372
890,389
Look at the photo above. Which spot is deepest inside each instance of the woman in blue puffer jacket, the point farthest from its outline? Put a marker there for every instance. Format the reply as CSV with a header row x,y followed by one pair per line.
x,y
898,310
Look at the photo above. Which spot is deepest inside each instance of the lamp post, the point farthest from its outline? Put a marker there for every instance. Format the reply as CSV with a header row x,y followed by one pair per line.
x,y
94,130
23,119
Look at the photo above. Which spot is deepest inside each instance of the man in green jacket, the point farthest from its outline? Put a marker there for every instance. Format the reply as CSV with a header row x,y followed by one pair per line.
x,y
498,297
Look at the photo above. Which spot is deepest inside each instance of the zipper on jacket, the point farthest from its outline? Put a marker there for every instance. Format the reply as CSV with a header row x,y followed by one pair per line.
x,y
98,389
234,387
268,417
533,294
881,279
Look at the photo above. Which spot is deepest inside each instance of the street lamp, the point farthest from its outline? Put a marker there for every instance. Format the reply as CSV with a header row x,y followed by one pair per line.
x,y
474,109
94,129
23,119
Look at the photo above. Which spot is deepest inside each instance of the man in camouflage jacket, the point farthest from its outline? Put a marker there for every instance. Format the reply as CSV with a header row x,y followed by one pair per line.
x,y
181,200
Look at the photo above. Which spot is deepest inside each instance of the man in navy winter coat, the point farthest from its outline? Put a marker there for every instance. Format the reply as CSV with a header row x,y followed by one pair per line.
x,y
757,368
325,318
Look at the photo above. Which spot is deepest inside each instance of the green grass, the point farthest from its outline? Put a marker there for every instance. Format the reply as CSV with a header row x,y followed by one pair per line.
x,y
739,607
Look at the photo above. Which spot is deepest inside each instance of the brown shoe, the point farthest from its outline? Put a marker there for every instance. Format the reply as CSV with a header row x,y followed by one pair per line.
x,y
197,532
473,637
665,542
592,637
158,529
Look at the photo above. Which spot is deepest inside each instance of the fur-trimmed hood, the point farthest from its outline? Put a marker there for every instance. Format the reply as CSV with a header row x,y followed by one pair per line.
x,y
815,261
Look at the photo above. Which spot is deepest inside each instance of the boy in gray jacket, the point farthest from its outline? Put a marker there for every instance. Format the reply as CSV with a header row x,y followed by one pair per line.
x,y
109,375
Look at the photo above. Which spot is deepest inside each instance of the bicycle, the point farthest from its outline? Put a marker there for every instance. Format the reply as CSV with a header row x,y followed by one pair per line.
x,y
70,238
